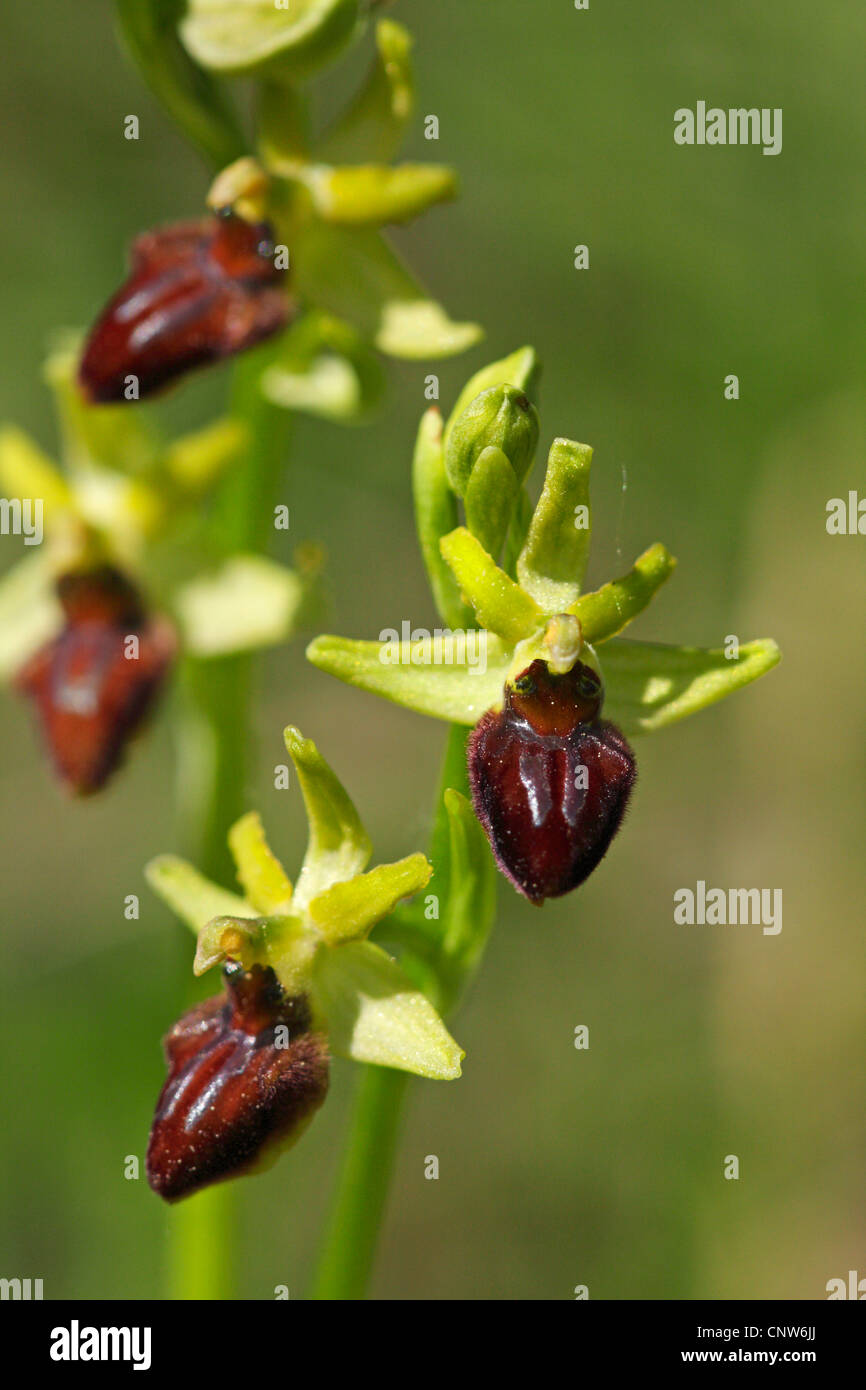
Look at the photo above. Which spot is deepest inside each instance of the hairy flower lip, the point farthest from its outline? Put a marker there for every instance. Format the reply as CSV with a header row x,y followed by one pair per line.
x,y
90,694
235,1094
550,780
196,292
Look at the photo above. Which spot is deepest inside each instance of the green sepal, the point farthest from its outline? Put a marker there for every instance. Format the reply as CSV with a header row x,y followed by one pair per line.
x,y
26,471
338,846
374,124
357,276
121,438
324,367
415,329
194,898
500,605
650,686
195,461
29,612
295,38
249,602
606,611
260,873
435,516
445,690
375,1014
552,563
348,911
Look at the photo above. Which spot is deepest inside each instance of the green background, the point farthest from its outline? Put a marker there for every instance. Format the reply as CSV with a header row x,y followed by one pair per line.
x,y
557,1167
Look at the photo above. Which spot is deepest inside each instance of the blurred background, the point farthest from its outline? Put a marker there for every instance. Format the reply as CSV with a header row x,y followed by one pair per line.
x,y
557,1167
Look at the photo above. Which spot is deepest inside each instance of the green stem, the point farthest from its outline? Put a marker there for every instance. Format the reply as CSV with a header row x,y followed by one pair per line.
x,y
214,756
349,1249
201,1240
192,98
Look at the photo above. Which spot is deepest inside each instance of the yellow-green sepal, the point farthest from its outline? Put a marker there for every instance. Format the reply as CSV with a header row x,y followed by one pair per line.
x,y
338,846
194,898
466,681
651,686
375,1014
292,37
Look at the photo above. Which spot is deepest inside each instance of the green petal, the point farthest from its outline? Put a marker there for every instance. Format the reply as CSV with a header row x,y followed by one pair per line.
x,y
349,911
415,329
29,612
552,563
519,369
374,1014
650,686
338,846
324,367
260,873
371,195
374,124
501,605
403,672
435,516
250,602
195,461
25,471
241,36
192,896
357,276
607,610
120,438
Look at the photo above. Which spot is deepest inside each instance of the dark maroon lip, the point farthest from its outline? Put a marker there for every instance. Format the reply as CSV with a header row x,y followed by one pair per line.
x,y
246,1073
196,292
550,780
90,695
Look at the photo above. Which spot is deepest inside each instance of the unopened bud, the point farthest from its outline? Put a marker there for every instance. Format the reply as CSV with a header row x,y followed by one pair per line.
x,y
502,417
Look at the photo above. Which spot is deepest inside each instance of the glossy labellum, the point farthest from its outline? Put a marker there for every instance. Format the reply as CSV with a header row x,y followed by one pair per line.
x,y
197,292
246,1076
93,684
550,780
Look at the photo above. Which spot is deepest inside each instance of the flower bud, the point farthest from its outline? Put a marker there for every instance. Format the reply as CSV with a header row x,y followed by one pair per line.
x,y
502,417
197,292
245,1077
550,780
93,684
